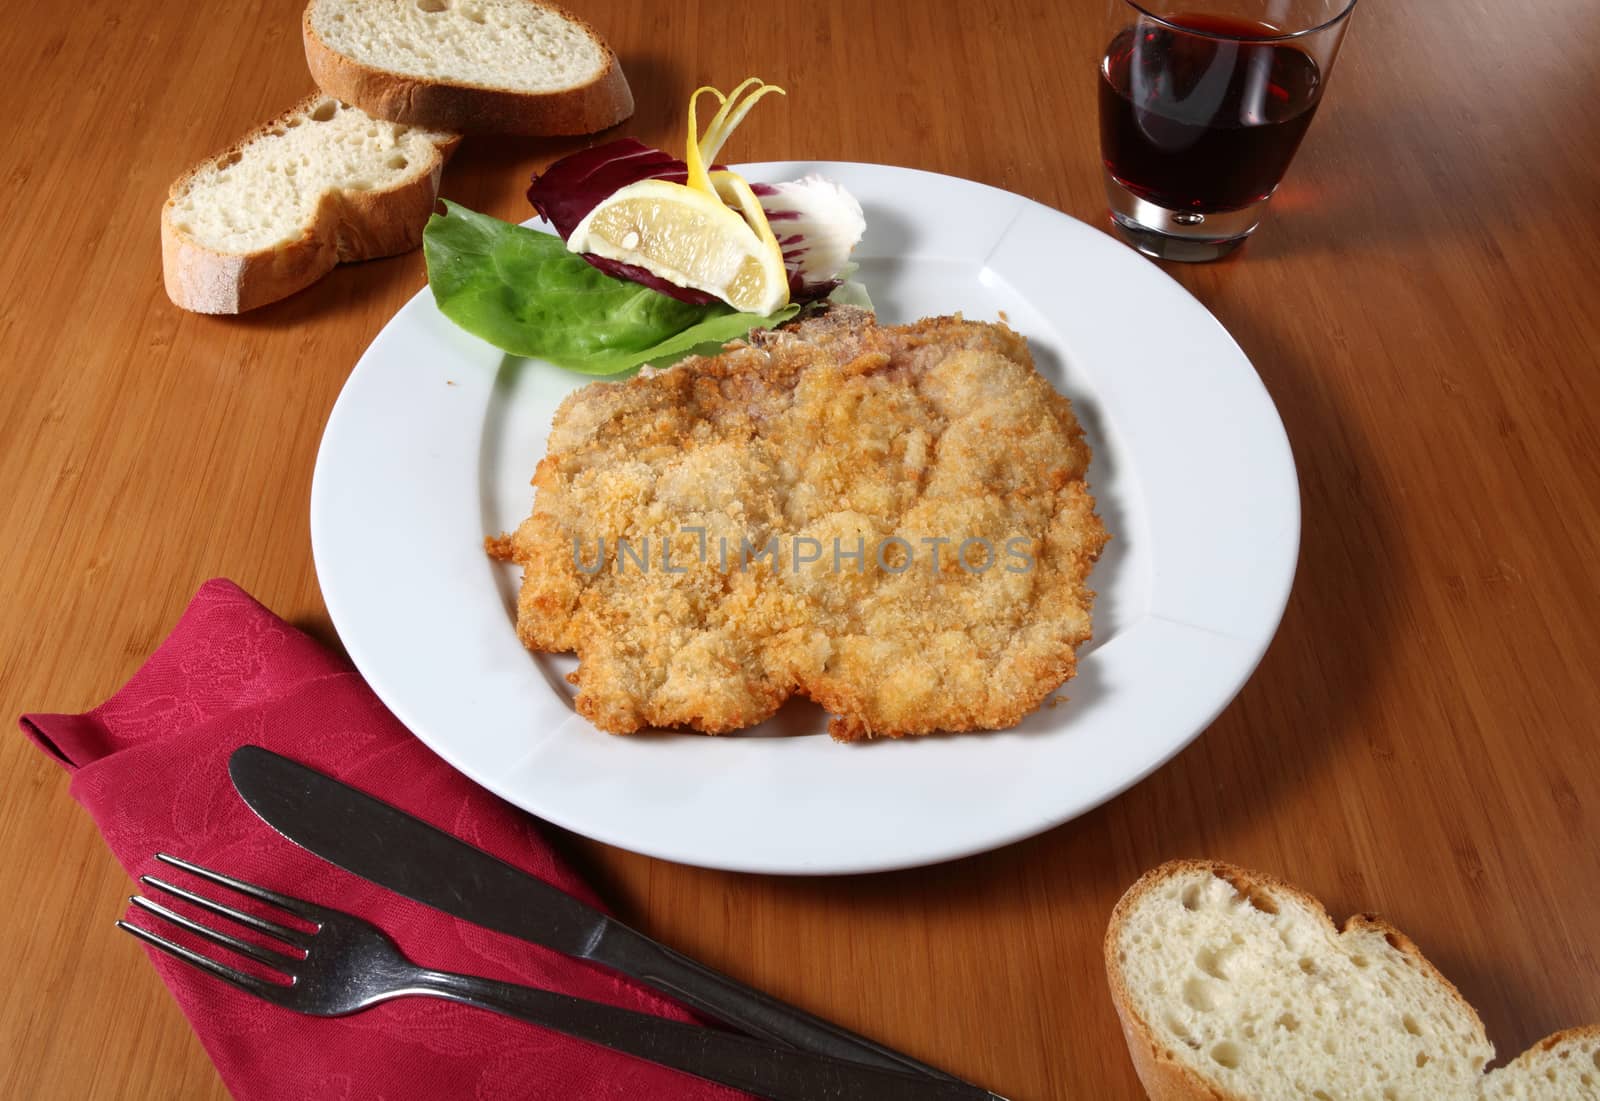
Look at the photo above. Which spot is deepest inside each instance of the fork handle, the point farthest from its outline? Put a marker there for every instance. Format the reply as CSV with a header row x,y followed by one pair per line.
x,y
748,1010
769,1070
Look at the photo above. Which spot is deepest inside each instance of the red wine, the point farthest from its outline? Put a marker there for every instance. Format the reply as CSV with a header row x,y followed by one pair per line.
x,y
1203,124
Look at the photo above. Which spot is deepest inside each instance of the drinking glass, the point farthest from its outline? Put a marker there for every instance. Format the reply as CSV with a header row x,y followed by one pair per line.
x,y
1201,111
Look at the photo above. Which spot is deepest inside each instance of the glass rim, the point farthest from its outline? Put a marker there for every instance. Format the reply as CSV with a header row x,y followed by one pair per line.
x,y
1343,13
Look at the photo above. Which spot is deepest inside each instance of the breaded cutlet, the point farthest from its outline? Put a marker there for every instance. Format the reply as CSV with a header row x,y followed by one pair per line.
x,y
750,477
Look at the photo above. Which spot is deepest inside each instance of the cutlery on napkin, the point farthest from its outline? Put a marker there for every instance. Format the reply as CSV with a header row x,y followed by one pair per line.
x,y
150,766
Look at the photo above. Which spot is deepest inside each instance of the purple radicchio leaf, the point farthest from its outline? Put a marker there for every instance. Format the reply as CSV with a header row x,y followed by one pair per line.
x,y
574,185
817,223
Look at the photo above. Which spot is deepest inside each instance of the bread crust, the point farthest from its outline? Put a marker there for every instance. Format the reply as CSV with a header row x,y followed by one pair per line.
x,y
1529,1061
471,108
347,226
1164,1077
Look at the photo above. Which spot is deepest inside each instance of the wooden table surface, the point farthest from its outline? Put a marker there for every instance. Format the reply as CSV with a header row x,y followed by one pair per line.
x,y
1420,740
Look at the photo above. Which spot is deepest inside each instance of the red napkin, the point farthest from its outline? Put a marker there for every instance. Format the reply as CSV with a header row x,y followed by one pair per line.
x,y
150,764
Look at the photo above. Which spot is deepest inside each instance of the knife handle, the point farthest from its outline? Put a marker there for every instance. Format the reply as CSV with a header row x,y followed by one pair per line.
x,y
768,1070
741,1006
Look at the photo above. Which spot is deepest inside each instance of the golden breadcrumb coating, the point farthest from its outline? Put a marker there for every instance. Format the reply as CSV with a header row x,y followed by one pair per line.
x,y
816,444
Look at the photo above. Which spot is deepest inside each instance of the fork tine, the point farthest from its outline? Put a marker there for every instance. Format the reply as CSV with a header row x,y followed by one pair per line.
x,y
249,921
308,910
272,959
259,987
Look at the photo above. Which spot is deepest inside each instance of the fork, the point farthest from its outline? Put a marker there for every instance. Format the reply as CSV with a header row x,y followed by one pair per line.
x,y
344,964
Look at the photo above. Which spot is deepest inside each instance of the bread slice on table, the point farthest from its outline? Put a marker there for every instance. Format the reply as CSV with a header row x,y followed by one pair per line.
x,y
1234,986
320,184
474,66
1565,1066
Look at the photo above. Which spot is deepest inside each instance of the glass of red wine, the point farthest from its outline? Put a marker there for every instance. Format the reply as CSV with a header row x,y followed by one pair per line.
x,y
1201,110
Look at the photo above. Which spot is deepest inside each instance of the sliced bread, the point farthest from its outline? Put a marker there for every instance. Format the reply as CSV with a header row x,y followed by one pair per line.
x,y
1565,1066
1235,986
474,66
320,184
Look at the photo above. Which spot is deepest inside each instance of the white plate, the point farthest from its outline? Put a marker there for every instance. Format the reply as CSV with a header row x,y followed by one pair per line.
x,y
436,434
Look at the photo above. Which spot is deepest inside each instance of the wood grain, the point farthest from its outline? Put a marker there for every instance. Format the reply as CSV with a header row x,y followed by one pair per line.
x,y
1420,740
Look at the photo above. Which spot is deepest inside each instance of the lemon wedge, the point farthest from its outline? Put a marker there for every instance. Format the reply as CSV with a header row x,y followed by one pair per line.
x,y
709,234
688,238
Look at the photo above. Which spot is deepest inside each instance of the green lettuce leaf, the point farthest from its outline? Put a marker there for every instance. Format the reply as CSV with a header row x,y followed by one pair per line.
x,y
523,292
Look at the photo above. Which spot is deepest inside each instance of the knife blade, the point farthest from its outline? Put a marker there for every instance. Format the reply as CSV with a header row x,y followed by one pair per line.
x,y
380,843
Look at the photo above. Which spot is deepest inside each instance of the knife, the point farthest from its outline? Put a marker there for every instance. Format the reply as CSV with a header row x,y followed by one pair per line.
x,y
383,844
